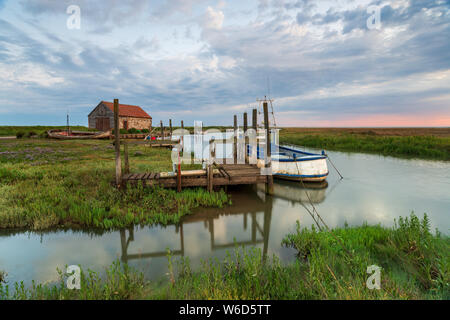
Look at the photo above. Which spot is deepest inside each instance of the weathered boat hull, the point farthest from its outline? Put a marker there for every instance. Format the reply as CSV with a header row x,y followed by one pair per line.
x,y
75,135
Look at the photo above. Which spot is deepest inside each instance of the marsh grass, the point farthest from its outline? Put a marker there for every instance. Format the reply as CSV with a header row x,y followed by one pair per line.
x,y
415,265
36,130
424,147
46,184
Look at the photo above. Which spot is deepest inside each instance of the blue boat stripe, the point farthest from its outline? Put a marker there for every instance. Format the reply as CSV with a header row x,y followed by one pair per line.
x,y
302,176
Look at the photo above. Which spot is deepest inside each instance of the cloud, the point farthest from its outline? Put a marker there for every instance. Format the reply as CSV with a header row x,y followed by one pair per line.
x,y
213,19
320,58
103,16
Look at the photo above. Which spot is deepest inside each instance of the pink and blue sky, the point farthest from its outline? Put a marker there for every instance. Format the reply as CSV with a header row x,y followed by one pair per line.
x,y
209,59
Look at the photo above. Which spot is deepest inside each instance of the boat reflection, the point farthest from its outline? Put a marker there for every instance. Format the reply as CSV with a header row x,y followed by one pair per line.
x,y
295,191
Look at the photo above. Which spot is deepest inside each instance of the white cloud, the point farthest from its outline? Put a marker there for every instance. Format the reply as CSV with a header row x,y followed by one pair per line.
x,y
28,73
213,19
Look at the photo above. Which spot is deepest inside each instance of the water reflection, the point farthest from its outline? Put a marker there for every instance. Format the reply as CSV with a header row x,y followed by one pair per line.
x,y
254,207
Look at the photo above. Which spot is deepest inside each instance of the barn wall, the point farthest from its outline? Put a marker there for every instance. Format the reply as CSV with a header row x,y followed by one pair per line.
x,y
100,111
136,123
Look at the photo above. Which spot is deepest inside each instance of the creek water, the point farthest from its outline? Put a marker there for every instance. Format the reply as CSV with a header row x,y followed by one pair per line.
x,y
375,190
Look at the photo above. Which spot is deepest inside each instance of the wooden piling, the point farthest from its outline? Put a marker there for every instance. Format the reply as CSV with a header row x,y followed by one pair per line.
x,y
162,131
182,134
117,143
125,154
268,147
235,140
255,119
246,140
179,174
210,168
170,125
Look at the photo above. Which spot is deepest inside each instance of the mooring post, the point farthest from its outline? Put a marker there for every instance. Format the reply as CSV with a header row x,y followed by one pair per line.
x,y
255,128
246,140
162,130
170,125
182,135
235,140
210,168
117,143
268,157
125,154
179,172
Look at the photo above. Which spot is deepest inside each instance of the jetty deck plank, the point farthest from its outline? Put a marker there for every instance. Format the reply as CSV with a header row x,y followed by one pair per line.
x,y
239,174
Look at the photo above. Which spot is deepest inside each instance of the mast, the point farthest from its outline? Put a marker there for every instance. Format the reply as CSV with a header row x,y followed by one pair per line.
x,y
260,111
68,126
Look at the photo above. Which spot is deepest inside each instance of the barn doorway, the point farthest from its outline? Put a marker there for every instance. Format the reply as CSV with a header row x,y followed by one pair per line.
x,y
103,124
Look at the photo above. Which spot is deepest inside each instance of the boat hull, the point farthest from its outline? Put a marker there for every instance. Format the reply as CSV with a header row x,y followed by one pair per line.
x,y
305,170
294,165
76,135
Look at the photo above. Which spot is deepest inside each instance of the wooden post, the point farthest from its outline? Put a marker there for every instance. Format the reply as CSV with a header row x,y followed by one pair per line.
x,y
117,143
235,141
210,168
268,156
210,177
246,138
182,135
162,131
170,124
255,128
125,152
179,173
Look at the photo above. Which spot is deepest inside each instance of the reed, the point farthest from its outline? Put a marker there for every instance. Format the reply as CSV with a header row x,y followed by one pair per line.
x,y
424,147
48,184
330,265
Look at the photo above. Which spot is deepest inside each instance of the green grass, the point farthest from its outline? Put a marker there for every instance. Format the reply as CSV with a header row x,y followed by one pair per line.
x,y
47,184
38,130
330,265
423,147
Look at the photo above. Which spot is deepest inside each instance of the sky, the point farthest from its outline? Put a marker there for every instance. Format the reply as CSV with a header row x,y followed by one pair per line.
x,y
325,63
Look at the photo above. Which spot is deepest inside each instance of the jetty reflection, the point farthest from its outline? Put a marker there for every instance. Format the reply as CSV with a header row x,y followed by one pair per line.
x,y
252,206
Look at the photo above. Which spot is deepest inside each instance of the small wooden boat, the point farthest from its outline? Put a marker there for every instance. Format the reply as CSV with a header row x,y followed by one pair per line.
x,y
72,135
292,164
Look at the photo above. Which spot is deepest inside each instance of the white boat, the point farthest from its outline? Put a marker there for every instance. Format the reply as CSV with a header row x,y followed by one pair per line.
x,y
292,164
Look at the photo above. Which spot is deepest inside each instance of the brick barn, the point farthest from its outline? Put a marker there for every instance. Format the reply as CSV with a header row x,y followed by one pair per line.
x,y
102,117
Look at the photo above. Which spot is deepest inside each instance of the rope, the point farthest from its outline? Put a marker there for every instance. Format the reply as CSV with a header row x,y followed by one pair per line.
x,y
309,198
329,159
314,208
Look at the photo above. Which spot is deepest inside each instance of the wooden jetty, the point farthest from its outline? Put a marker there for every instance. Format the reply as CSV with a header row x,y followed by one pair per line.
x,y
215,175
222,175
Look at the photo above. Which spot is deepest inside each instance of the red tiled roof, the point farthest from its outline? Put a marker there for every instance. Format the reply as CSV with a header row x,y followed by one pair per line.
x,y
126,110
